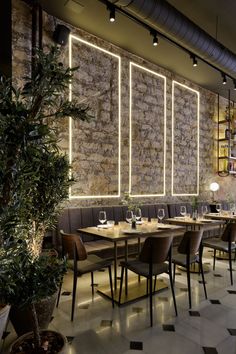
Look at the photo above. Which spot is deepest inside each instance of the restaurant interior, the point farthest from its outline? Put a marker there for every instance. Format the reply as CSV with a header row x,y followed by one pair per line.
x,y
117,176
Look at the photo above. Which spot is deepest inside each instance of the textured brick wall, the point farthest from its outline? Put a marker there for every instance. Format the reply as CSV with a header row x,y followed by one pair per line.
x,y
95,144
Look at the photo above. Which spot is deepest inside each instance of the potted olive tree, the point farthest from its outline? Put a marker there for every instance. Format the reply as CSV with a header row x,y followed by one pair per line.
x,y
33,172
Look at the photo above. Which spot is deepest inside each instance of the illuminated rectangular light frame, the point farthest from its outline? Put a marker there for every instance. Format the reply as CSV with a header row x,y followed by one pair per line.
x,y
173,127
130,132
71,37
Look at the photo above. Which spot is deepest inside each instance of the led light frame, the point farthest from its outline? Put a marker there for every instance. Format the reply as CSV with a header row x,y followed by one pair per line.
x,y
173,127
131,64
73,37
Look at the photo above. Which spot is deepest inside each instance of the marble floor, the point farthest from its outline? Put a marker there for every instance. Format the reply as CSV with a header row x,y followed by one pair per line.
x,y
210,326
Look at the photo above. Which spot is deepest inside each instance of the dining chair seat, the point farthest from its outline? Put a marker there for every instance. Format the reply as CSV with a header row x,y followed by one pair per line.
x,y
142,268
181,259
91,264
218,244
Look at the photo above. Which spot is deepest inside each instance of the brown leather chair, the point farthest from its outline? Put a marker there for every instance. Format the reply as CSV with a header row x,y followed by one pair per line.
x,y
152,262
225,243
81,263
190,251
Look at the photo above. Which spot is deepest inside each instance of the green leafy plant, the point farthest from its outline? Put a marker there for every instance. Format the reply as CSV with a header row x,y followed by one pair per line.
x,y
127,200
33,172
34,178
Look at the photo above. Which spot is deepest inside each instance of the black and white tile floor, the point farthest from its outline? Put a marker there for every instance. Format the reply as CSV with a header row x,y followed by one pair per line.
x,y
209,327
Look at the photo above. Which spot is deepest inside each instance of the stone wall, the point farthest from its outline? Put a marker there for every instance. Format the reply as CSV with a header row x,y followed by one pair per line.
x,y
95,145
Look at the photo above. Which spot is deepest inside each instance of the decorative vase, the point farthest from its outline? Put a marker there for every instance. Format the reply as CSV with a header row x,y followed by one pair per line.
x,y
51,339
22,320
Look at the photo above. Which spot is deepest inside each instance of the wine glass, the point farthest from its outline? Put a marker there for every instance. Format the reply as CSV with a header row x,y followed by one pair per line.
x,y
102,217
138,214
161,214
232,208
204,209
183,210
218,207
129,216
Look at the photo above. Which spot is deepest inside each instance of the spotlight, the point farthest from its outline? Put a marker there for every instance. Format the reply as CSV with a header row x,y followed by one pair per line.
x,y
155,39
224,82
112,16
194,59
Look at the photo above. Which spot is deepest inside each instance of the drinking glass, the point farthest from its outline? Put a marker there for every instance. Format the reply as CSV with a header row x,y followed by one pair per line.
x,y
102,217
218,207
129,216
204,209
138,214
232,208
183,210
160,214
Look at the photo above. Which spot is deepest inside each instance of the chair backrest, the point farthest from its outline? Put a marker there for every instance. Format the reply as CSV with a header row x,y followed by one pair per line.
x,y
70,243
229,234
190,242
156,249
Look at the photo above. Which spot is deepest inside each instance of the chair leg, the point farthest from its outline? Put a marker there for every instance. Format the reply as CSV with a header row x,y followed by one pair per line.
x,y
230,267
92,283
59,293
203,278
111,286
214,260
150,301
189,285
155,283
174,273
121,283
73,295
172,290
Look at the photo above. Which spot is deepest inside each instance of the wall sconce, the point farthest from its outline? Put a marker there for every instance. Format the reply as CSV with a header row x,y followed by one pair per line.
x,y
214,187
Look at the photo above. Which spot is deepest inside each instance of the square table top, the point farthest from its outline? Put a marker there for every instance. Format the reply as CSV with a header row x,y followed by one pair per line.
x,y
200,222
123,231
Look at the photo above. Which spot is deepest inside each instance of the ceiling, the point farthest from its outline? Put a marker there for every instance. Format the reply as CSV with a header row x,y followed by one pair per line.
x,y
216,17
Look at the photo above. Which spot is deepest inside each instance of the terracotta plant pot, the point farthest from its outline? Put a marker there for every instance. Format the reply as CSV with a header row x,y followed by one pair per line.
x,y
4,312
21,318
55,343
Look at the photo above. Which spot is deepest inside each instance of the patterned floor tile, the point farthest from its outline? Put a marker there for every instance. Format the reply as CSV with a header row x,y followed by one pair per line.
x,y
136,345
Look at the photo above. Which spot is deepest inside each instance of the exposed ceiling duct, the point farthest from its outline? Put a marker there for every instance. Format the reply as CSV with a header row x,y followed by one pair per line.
x,y
165,18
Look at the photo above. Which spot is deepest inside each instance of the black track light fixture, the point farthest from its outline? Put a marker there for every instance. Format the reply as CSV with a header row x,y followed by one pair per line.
x,y
112,10
224,80
194,59
155,41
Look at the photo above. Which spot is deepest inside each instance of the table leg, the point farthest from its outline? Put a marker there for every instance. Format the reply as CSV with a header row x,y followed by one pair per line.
x,y
115,265
126,270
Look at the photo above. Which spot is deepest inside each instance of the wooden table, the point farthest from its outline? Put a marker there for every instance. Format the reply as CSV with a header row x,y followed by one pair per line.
x,y
123,232
221,216
200,223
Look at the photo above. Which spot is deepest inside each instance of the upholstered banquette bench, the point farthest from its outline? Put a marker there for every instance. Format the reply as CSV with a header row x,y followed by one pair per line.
x,y
74,218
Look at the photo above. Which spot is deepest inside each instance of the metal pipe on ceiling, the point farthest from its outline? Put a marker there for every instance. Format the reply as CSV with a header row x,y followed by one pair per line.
x,y
165,18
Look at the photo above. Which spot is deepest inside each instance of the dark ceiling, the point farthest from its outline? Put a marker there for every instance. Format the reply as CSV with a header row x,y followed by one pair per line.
x,y
216,17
